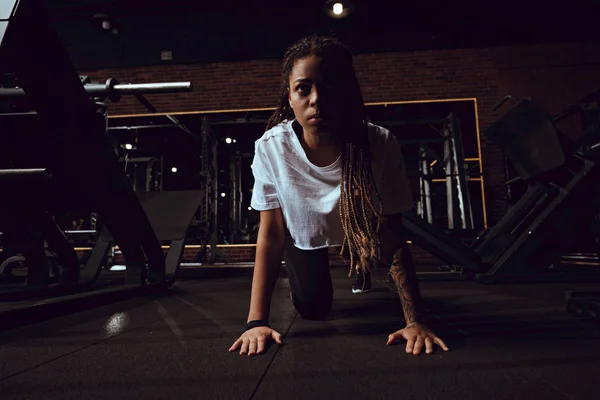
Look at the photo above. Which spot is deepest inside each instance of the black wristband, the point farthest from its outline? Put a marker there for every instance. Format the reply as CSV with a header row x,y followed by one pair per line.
x,y
255,323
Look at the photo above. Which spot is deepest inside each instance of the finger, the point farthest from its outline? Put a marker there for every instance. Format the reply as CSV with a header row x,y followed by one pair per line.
x,y
441,343
428,346
235,345
252,347
410,345
418,346
244,349
260,345
276,336
391,339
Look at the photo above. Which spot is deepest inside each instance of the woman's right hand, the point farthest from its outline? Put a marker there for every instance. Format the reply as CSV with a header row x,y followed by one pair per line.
x,y
253,341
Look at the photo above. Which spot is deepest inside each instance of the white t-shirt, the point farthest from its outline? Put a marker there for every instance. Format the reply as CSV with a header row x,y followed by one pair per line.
x,y
309,195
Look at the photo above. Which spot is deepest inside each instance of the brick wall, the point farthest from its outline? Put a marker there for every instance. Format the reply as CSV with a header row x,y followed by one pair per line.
x,y
485,73
414,76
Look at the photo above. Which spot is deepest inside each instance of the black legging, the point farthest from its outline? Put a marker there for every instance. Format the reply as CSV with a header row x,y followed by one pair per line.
x,y
310,280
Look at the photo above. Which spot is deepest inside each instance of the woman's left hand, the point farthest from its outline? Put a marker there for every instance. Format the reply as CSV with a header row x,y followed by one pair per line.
x,y
417,336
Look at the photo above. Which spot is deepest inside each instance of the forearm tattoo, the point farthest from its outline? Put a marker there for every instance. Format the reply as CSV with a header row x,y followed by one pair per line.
x,y
405,279
395,251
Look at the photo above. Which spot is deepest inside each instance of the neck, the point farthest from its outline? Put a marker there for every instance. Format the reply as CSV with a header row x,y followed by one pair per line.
x,y
321,150
315,142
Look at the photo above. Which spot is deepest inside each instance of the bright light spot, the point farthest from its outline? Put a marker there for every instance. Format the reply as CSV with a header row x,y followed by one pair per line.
x,y
250,165
116,324
174,169
128,146
223,195
118,268
233,140
228,140
338,8
249,208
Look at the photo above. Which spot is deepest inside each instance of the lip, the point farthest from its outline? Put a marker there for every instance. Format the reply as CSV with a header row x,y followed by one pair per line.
x,y
317,119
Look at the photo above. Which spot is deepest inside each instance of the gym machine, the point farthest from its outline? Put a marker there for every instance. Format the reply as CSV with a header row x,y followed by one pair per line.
x,y
446,150
55,156
560,204
562,196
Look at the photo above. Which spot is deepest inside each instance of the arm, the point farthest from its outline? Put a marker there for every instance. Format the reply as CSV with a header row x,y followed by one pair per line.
x,y
270,243
396,251
269,252
417,335
405,278
394,189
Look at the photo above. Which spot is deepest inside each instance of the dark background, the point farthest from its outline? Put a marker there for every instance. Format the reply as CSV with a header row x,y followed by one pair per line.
x,y
409,52
210,31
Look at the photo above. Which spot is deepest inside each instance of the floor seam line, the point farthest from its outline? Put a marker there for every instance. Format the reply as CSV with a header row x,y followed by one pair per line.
x,y
268,367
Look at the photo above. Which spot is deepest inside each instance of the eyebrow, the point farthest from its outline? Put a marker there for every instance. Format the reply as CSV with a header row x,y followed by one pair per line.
x,y
302,80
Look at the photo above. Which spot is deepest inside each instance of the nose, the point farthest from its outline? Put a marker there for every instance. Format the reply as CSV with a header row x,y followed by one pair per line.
x,y
314,97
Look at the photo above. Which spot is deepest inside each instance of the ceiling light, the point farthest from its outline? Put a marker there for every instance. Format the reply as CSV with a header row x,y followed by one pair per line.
x,y
338,8
105,21
128,146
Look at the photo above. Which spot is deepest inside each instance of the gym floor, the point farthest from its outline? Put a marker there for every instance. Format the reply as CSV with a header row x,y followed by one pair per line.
x,y
506,342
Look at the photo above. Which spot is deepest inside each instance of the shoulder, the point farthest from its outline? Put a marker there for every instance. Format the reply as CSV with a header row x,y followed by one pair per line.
x,y
274,138
379,134
382,140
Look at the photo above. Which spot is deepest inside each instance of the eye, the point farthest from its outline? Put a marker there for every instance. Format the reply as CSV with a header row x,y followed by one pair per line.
x,y
303,89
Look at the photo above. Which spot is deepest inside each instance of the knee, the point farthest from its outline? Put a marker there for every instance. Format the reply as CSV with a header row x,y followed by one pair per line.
x,y
316,310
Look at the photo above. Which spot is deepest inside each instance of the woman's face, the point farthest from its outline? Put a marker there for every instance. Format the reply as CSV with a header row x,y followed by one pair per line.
x,y
317,95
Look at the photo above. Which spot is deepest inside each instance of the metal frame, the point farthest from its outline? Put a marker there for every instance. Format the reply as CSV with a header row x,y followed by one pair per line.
x,y
458,200
208,216
424,205
150,164
82,121
235,199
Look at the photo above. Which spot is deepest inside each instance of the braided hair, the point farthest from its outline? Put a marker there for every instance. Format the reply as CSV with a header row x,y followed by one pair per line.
x,y
357,211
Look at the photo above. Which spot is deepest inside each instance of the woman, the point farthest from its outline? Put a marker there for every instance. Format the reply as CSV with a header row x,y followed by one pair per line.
x,y
325,177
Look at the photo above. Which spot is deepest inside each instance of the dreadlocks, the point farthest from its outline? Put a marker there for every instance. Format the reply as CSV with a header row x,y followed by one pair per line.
x,y
356,209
